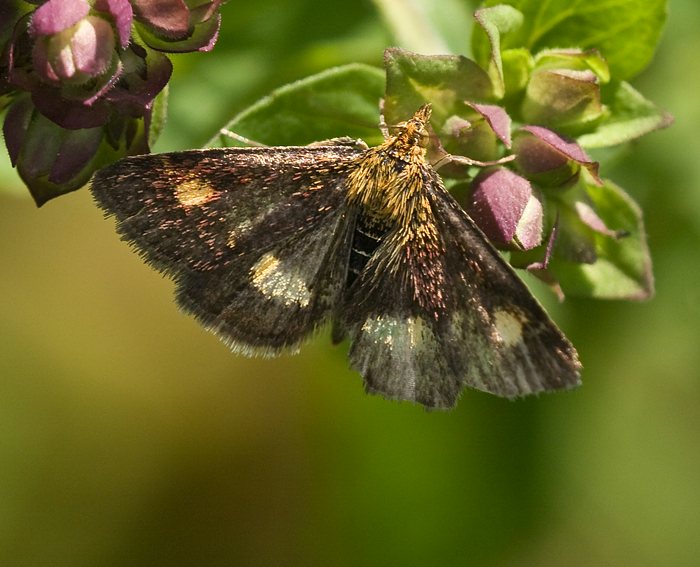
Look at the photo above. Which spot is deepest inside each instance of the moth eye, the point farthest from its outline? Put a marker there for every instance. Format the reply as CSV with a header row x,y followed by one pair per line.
x,y
398,128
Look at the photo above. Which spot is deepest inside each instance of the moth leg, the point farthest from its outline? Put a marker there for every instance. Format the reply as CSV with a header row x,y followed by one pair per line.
x,y
450,159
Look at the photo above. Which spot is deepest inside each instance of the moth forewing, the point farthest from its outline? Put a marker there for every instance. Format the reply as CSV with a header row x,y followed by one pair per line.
x,y
258,252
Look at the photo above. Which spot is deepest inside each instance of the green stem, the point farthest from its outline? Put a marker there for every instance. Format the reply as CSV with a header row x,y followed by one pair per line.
x,y
411,27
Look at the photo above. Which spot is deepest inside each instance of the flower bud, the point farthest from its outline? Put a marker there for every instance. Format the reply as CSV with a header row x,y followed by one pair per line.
x,y
548,158
478,133
505,208
178,25
77,54
83,89
564,90
49,159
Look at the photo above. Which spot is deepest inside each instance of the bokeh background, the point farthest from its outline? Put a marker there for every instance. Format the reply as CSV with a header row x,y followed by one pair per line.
x,y
129,436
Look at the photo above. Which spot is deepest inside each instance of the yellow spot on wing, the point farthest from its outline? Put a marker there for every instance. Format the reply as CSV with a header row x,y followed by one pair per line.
x,y
508,326
271,279
193,192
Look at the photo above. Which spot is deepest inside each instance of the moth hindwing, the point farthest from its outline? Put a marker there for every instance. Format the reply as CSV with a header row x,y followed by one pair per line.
x,y
267,244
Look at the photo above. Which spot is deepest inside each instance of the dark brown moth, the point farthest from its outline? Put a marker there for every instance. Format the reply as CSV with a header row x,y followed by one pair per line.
x,y
267,244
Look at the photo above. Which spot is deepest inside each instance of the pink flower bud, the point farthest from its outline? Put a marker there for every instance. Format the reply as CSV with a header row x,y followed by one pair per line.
x,y
549,158
77,54
505,208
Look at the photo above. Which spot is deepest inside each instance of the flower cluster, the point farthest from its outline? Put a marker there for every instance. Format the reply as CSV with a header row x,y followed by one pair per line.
x,y
523,119
557,98
80,79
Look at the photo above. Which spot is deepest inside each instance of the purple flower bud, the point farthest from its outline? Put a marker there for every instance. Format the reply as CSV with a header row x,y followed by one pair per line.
x,y
84,89
178,25
505,208
76,54
50,160
167,18
549,158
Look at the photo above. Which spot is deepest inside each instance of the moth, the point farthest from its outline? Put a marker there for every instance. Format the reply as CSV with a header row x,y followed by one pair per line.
x,y
267,244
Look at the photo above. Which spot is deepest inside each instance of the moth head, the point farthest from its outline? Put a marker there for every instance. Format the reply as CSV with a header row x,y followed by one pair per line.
x,y
414,132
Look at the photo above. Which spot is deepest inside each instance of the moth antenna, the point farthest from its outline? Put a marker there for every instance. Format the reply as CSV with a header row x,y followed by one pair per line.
x,y
247,141
340,141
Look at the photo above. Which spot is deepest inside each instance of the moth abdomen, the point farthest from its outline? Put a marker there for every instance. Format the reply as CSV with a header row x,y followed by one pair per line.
x,y
366,239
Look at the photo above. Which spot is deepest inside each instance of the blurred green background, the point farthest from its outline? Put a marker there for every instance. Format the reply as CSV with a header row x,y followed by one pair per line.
x,y
130,436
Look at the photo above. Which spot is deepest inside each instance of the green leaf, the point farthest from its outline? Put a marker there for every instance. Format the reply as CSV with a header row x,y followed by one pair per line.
x,y
621,268
631,116
446,81
517,66
159,116
625,31
342,101
486,41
